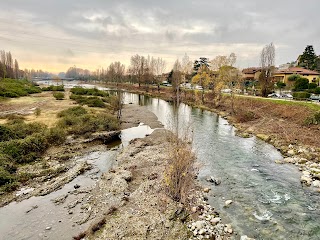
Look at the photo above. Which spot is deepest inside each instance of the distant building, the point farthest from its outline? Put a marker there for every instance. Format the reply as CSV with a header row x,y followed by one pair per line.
x,y
251,74
283,74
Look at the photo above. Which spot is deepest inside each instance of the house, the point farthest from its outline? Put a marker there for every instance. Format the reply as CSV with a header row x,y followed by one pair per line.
x,y
283,74
251,74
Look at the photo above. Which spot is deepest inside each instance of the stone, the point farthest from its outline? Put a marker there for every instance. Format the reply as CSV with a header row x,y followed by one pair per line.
x,y
302,161
227,203
199,224
315,170
206,190
316,183
194,209
291,152
215,220
306,180
76,186
245,237
264,137
48,228
289,160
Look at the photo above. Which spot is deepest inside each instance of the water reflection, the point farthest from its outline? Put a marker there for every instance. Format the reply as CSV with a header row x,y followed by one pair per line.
x,y
269,202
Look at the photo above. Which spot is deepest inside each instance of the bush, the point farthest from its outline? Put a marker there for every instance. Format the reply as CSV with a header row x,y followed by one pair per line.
x,y
83,122
89,91
12,88
312,85
56,136
301,95
301,84
89,101
5,177
6,134
317,90
58,95
313,120
59,88
73,111
37,112
179,173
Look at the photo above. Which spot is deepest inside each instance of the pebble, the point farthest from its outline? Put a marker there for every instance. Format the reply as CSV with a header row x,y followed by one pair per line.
x,y
227,203
48,228
206,190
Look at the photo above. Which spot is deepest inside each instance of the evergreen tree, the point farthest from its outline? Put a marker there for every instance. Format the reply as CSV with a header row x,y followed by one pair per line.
x,y
308,59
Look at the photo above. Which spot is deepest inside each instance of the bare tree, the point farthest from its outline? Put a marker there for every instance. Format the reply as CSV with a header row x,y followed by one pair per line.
x,y
267,59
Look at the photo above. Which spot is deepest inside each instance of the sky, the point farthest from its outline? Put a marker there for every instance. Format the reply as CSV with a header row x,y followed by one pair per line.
x,y
54,35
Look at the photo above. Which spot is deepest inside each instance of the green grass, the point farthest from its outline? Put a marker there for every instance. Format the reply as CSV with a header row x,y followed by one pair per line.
x,y
309,104
59,88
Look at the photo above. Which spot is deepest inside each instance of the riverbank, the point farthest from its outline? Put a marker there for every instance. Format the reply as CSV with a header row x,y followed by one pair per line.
x,y
280,123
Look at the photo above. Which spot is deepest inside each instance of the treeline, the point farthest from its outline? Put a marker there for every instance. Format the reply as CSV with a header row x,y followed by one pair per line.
x,y
9,68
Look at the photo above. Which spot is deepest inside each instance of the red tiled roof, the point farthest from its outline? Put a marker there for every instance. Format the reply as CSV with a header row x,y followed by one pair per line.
x,y
296,70
251,70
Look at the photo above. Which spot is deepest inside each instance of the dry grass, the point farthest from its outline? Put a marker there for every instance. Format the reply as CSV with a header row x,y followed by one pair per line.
x,y
179,172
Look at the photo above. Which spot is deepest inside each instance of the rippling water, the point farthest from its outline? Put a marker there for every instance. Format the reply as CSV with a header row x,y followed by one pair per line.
x,y
268,199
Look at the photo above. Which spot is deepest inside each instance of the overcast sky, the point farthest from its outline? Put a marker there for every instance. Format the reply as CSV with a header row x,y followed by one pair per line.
x,y
56,34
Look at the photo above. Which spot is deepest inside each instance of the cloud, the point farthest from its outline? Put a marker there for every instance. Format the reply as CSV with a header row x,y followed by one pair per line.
x,y
93,33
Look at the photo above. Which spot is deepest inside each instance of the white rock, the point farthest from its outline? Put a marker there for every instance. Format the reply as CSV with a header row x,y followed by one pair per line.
x,y
316,183
214,221
245,237
202,231
291,152
227,203
306,180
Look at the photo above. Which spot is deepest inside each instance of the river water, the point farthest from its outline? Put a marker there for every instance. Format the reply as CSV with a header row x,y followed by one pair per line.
x,y
268,199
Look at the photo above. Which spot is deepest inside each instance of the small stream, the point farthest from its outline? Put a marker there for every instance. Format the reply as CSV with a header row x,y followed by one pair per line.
x,y
268,199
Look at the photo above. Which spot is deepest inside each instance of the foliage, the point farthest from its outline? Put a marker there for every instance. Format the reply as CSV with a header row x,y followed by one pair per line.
x,y
308,59
301,95
312,86
317,90
37,112
89,101
313,120
16,88
301,84
58,95
73,112
89,91
280,85
59,88
179,171
84,122
294,77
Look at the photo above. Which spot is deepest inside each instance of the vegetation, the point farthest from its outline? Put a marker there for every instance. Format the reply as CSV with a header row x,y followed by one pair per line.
x,y
89,101
12,88
179,173
58,95
89,91
59,88
309,59
78,121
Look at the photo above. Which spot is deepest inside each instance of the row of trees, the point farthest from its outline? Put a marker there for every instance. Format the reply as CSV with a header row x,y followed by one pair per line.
x,y
9,68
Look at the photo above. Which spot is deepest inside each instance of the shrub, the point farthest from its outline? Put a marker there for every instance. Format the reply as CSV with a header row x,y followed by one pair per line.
x,y
12,88
301,95
6,134
312,85
301,84
59,88
5,177
37,112
89,91
58,95
313,120
317,90
179,172
89,101
56,136
73,111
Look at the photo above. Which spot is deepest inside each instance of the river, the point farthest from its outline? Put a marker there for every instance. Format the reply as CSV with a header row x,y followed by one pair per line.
x,y
268,200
